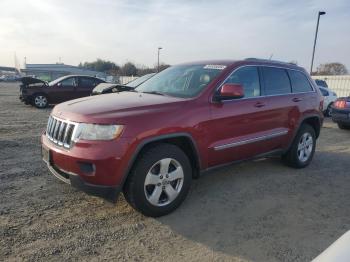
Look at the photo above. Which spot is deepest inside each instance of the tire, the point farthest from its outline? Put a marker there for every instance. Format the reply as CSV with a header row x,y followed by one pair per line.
x,y
149,188
40,101
300,153
342,126
329,110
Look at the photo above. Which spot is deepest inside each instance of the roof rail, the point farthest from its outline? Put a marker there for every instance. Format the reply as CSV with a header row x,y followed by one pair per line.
x,y
268,60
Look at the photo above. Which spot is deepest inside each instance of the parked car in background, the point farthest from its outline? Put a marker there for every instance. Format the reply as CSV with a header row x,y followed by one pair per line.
x,y
329,98
105,88
321,83
341,112
40,93
10,78
187,119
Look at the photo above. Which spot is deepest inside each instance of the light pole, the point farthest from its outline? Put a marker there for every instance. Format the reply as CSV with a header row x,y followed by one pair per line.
x,y
313,51
158,58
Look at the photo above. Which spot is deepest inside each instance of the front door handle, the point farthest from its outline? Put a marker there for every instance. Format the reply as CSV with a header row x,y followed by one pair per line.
x,y
296,99
259,104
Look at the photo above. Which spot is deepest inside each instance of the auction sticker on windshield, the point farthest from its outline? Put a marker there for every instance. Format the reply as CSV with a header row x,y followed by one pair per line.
x,y
218,67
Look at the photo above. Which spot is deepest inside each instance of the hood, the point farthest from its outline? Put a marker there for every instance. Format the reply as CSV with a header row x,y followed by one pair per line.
x,y
31,80
109,108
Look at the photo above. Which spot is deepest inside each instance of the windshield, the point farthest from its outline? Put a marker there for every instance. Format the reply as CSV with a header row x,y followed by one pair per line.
x,y
140,80
182,80
56,81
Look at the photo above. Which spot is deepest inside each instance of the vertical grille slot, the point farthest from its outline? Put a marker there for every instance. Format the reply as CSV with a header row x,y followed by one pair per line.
x,y
60,131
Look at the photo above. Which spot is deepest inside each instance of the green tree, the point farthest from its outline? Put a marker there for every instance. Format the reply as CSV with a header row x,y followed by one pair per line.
x,y
101,66
128,69
332,69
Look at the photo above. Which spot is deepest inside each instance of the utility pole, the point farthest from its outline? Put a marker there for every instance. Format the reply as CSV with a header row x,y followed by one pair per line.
x,y
159,48
313,51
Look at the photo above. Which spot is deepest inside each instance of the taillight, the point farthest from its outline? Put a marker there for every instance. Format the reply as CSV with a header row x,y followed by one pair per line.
x,y
321,104
341,104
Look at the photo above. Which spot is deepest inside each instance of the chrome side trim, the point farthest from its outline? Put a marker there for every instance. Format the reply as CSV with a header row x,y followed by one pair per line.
x,y
249,141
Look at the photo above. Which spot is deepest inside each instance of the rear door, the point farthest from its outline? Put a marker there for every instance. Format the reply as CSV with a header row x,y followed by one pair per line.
x,y
282,105
63,90
303,94
85,86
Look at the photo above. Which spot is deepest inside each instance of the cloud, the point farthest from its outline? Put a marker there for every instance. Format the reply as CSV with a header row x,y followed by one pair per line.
x,y
187,30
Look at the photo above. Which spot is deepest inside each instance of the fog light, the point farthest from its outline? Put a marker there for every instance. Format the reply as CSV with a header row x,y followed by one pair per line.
x,y
87,168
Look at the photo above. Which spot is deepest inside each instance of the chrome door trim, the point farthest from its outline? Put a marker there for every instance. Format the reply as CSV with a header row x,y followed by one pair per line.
x,y
251,140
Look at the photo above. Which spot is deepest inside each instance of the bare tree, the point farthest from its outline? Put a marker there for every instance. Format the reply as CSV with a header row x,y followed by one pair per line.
x,y
331,69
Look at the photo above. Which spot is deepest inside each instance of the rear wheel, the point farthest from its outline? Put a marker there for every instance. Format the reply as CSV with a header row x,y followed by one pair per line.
x,y
40,101
159,181
303,148
342,126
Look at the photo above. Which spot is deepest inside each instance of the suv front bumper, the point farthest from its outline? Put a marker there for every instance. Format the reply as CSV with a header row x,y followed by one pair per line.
x,y
95,168
107,192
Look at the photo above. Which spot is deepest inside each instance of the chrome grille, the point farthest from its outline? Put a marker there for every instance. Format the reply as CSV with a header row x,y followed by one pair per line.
x,y
60,131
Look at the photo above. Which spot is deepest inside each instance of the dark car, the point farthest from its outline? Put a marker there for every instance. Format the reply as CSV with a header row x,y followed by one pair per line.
x,y
341,112
40,93
106,88
150,143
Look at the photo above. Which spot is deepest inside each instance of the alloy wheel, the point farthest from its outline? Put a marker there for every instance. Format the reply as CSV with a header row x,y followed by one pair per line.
x,y
163,182
305,147
40,101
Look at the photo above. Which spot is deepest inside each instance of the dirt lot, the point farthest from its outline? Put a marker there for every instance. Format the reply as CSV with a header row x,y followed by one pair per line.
x,y
254,211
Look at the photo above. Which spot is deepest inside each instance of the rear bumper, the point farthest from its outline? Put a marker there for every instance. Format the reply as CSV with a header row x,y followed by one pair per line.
x,y
341,116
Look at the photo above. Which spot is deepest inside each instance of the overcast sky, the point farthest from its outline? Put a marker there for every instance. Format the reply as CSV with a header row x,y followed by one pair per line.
x,y
120,31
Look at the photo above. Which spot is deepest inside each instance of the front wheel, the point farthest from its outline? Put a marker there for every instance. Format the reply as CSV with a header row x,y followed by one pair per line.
x,y
159,181
302,150
329,110
40,101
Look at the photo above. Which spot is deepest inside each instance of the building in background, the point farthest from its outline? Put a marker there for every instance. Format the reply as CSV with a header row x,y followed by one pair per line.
x,y
49,72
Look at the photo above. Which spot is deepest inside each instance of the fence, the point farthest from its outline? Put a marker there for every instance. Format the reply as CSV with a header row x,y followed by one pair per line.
x,y
338,84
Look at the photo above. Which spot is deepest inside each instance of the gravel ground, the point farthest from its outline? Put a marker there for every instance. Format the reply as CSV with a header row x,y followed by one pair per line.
x,y
254,211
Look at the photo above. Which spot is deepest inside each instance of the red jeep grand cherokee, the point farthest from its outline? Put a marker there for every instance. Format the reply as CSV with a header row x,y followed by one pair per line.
x,y
150,142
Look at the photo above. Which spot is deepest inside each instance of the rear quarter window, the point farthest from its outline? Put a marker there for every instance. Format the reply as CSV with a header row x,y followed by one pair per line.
x,y
299,81
276,81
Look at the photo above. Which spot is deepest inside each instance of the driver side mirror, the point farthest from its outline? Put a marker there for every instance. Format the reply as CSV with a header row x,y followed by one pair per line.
x,y
231,91
59,84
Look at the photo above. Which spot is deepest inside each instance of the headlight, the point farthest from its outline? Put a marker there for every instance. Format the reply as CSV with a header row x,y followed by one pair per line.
x,y
97,132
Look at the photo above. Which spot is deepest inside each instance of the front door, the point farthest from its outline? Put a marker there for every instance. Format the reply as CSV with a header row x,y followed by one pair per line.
x,y
246,127
63,90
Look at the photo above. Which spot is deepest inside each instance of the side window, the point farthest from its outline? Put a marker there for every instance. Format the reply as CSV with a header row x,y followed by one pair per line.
x,y
299,82
324,92
87,82
248,77
276,81
68,82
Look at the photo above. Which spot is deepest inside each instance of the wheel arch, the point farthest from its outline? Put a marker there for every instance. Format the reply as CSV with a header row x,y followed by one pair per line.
x,y
315,121
183,140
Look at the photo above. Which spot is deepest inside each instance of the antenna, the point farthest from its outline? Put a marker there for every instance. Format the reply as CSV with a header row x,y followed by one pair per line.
x,y
271,56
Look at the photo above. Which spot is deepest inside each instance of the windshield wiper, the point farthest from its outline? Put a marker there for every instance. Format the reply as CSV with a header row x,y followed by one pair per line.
x,y
153,93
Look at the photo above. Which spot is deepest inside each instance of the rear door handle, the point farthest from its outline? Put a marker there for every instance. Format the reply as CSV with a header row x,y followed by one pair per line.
x,y
259,104
296,99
